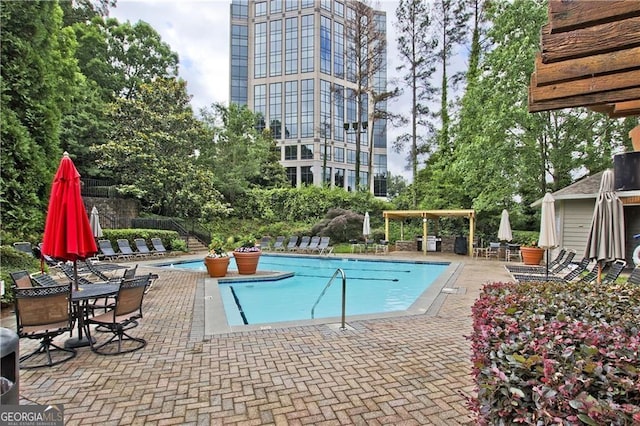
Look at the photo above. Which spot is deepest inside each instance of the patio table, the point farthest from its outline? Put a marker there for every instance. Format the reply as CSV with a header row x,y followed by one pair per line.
x,y
79,298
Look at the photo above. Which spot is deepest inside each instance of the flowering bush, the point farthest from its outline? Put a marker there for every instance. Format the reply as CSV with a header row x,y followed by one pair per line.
x,y
556,353
217,248
247,245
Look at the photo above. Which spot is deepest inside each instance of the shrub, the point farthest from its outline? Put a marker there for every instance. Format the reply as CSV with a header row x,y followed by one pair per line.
x,y
556,353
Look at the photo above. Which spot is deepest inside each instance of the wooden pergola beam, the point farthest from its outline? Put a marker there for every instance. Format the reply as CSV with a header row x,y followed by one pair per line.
x,y
586,67
588,100
568,15
589,41
584,86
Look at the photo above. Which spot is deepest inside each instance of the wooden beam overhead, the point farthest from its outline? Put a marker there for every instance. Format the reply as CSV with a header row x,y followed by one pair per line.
x,y
585,100
589,66
590,57
589,41
568,15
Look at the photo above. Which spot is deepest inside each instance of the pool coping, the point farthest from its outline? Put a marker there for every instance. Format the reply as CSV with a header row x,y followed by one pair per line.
x,y
210,318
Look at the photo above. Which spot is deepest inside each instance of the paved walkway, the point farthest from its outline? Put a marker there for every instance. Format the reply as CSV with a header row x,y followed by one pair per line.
x,y
402,371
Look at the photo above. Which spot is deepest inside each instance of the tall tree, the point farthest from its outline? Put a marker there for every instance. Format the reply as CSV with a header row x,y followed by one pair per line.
x,y
416,51
38,80
152,152
366,46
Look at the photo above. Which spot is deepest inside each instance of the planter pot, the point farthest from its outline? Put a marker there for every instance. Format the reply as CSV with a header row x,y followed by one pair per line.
x,y
531,255
247,262
217,266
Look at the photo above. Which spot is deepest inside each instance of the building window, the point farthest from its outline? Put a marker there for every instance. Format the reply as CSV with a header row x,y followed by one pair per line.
x,y
380,175
338,49
351,156
291,152
239,9
292,176
260,47
260,105
291,46
325,45
275,110
338,178
338,114
364,181
326,178
351,180
261,8
325,148
291,110
325,108
275,53
239,64
306,106
306,152
351,115
307,3
306,175
338,8
307,44
364,158
275,6
290,4
326,5
338,154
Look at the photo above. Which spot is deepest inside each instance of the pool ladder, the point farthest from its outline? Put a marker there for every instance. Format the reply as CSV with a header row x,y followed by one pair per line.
x,y
344,295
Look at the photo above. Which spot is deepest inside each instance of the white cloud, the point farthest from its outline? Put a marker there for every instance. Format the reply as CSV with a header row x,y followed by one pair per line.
x,y
198,30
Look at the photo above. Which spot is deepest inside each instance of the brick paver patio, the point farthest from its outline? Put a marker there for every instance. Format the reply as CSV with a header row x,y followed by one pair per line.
x,y
403,371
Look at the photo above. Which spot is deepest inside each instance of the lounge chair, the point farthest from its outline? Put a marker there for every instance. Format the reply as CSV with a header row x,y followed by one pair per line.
x,y
293,243
304,243
126,250
542,270
141,246
523,269
313,244
570,276
324,247
21,279
614,271
24,247
492,251
634,278
107,252
265,243
158,247
278,244
382,247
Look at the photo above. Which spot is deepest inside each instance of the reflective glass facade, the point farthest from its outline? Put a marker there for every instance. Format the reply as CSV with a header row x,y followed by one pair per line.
x,y
290,62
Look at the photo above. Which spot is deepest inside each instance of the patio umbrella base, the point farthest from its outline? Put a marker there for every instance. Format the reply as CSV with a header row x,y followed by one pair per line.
x,y
77,342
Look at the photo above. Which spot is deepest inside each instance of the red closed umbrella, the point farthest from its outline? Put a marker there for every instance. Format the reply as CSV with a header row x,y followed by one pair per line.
x,y
67,232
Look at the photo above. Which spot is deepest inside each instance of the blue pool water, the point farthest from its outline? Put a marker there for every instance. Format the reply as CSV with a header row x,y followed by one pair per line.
x,y
372,287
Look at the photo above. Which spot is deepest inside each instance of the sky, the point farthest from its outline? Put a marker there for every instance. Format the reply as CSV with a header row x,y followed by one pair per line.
x,y
198,30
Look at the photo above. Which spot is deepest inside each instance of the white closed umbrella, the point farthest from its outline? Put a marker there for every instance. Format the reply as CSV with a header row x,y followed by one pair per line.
x,y
366,226
504,231
606,241
548,239
94,222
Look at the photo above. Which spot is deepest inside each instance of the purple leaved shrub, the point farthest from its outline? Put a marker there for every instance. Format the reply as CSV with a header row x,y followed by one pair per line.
x,y
556,353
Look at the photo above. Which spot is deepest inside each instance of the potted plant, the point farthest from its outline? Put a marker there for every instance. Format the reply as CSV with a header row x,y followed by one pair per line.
x,y
247,256
531,254
217,260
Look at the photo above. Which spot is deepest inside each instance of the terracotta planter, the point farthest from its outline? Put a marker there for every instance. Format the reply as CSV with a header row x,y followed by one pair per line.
x,y
217,266
247,262
531,255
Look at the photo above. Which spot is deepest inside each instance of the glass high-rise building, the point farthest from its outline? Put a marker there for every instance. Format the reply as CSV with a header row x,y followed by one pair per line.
x,y
309,70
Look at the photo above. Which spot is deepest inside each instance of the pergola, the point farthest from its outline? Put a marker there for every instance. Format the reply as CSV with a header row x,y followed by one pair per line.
x,y
430,214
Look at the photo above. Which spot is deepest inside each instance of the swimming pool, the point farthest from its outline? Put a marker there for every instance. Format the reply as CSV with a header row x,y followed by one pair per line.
x,y
373,287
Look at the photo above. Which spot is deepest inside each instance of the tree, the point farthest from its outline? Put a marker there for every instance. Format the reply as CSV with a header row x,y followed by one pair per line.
x,y
152,152
38,80
416,52
366,48
237,153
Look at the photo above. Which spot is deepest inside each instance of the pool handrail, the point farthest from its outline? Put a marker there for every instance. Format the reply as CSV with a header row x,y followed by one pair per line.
x,y
344,295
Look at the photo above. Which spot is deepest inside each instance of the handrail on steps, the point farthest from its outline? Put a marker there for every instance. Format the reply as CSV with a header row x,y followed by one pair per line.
x,y
344,295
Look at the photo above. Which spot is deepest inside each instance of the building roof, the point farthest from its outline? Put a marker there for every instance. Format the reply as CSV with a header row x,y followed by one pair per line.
x,y
586,187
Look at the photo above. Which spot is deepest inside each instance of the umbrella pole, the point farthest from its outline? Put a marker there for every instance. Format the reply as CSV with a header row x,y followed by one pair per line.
x,y
75,274
599,280
547,268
